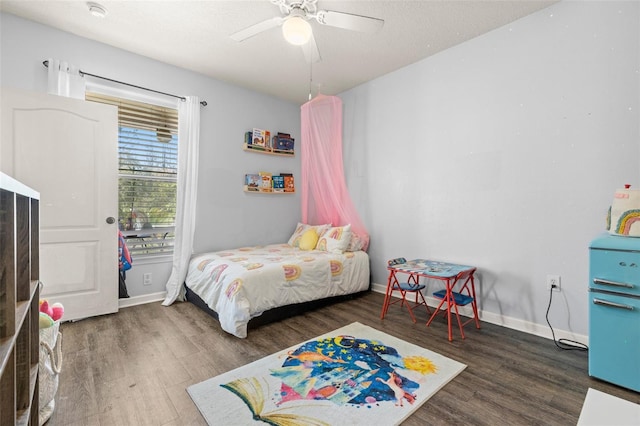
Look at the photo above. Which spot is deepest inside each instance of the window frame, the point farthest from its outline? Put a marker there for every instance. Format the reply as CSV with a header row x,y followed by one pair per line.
x,y
112,89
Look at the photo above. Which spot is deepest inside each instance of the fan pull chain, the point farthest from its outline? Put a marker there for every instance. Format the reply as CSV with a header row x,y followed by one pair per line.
x,y
310,77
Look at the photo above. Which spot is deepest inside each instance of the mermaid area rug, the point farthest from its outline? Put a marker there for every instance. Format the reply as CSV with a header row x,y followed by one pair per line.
x,y
355,375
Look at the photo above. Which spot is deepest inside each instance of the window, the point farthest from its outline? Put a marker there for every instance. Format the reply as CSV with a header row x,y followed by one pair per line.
x,y
147,174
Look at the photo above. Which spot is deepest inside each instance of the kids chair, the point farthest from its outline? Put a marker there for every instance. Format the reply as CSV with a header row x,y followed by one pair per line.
x,y
464,296
412,286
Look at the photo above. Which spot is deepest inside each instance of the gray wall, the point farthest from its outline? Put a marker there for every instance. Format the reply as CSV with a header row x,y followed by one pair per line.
x,y
504,152
226,216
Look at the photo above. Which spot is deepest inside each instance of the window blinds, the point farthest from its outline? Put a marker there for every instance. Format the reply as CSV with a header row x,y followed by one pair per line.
x,y
148,167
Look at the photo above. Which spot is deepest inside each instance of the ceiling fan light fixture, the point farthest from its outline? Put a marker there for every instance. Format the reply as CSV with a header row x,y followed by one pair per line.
x,y
296,30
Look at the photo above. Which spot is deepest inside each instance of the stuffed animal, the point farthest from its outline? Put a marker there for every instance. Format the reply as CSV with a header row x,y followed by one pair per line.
x,y
44,307
57,311
45,320
49,313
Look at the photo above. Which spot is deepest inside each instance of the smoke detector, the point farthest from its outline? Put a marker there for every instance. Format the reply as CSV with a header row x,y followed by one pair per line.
x,y
97,10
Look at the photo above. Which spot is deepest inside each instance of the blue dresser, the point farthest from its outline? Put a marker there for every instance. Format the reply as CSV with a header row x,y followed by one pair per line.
x,y
614,310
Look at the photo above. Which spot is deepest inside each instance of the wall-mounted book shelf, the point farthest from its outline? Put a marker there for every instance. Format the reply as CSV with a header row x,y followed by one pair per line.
x,y
259,140
282,144
247,189
268,183
269,151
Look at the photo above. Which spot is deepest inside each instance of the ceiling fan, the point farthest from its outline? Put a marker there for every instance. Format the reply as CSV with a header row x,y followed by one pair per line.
x,y
297,30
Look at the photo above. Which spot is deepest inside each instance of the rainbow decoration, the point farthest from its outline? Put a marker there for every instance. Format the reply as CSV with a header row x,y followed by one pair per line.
x,y
627,219
336,233
233,288
322,244
291,272
217,271
296,241
204,264
336,267
252,266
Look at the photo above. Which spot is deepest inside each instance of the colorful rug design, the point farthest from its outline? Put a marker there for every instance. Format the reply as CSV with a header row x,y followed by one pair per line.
x,y
355,375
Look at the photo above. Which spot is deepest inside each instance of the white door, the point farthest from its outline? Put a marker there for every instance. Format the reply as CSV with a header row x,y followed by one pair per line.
x,y
67,150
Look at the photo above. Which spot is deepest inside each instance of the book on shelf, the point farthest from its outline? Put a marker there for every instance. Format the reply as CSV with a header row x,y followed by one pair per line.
x,y
253,182
278,183
258,137
283,142
247,138
288,181
265,182
267,139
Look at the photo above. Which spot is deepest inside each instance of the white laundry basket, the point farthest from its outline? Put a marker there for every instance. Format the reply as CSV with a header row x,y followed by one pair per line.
x,y
49,369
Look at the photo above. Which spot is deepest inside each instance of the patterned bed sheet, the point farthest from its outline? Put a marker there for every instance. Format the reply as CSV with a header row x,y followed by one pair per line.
x,y
242,283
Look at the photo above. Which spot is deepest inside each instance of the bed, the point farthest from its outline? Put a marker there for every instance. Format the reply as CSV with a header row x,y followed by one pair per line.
x,y
241,284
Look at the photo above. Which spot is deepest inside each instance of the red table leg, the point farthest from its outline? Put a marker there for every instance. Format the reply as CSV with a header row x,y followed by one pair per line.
x,y
450,301
437,310
387,296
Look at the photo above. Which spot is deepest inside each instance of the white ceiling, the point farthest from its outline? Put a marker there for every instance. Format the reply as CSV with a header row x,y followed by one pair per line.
x,y
195,35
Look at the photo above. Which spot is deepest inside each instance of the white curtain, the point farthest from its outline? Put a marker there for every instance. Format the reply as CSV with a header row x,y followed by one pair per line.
x,y
64,79
188,142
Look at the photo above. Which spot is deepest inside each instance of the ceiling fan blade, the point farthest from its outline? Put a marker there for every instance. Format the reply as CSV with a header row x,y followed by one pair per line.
x,y
349,21
256,29
310,50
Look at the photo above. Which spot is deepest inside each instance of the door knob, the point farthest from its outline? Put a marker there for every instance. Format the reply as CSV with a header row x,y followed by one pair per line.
x,y
111,220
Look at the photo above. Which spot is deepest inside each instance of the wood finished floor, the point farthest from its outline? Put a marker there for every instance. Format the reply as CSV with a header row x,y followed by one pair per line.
x,y
132,368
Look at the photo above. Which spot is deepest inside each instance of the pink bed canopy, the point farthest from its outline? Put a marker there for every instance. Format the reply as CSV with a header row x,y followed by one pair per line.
x,y
325,198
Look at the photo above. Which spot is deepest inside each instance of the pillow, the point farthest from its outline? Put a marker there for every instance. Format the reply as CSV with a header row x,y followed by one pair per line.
x,y
356,243
294,241
335,240
308,240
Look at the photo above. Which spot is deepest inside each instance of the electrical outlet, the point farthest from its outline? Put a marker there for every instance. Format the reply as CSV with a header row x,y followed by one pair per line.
x,y
146,278
553,281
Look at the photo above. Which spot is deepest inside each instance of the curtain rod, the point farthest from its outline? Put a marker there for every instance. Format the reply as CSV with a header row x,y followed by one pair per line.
x,y
82,73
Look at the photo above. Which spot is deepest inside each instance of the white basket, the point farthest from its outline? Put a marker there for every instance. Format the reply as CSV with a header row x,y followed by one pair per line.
x,y
49,369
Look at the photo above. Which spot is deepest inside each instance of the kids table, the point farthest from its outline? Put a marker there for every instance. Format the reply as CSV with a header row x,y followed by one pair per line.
x,y
459,287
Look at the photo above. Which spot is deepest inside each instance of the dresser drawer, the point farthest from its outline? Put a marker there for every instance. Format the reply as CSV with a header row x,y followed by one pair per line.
x,y
613,270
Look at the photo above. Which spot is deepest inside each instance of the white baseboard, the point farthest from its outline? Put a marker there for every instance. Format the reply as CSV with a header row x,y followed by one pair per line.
x,y
504,321
141,300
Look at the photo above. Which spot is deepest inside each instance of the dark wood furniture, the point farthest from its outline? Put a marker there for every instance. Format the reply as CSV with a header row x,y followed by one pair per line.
x,y
19,296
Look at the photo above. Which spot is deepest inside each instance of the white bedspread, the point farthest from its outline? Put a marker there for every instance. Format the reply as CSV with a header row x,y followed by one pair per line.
x,y
242,283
